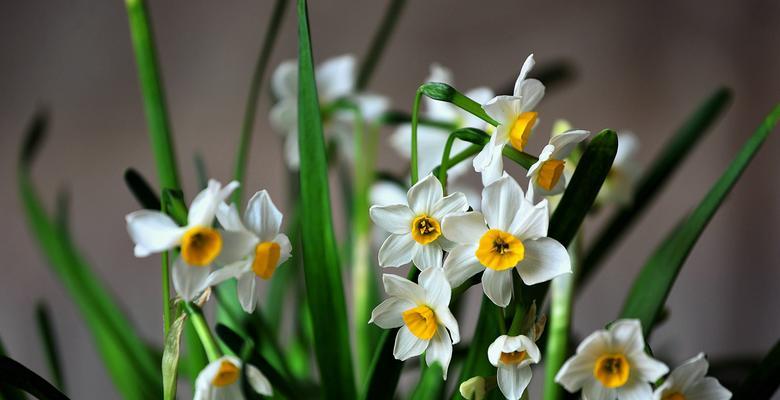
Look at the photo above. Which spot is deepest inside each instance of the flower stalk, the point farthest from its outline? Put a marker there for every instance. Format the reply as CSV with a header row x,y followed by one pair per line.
x,y
201,327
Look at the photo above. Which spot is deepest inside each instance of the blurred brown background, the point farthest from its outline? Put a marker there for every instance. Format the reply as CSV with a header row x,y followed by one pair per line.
x,y
641,66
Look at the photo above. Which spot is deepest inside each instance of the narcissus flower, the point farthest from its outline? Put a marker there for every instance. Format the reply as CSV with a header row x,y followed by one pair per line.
x,y
221,380
513,356
423,315
431,139
415,227
510,235
200,243
689,382
516,120
335,80
257,248
619,185
547,175
612,364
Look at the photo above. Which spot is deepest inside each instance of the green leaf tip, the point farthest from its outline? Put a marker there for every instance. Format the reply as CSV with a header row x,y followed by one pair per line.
x,y
141,190
33,140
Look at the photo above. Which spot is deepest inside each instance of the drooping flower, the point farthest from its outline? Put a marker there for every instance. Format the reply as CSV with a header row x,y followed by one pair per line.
x,y
257,249
511,234
335,80
221,380
422,313
516,120
689,382
625,172
200,243
431,139
547,175
513,356
612,364
415,227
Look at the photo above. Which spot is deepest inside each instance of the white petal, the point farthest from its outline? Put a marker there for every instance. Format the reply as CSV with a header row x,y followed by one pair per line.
x,y
258,381
547,151
445,317
228,217
531,221
495,349
430,145
397,286
189,281
152,232
397,250
504,109
466,228
565,143
407,345
545,259
236,245
439,350
647,368
635,391
428,256
628,145
284,81
595,345
495,168
437,288
204,206
284,116
285,248
707,389
498,286
481,95
424,195
439,73
229,271
388,314
262,217
532,92
385,193
371,106
575,372
593,390
528,64
247,294
461,264
513,381
501,202
452,204
396,218
690,371
291,154
627,336
530,347
336,77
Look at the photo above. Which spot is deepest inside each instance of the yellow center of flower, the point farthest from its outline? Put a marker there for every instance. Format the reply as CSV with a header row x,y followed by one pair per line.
x,y
421,321
425,229
227,375
266,259
612,370
549,173
521,129
515,357
200,245
499,250
674,396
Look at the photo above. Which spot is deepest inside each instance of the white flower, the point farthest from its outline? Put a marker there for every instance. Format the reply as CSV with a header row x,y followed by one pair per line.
x,y
513,356
155,232
415,227
431,139
516,119
335,80
547,175
625,172
688,382
423,315
221,380
612,364
511,234
257,248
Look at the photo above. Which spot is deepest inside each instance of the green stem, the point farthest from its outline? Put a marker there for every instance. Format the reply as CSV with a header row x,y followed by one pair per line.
x,y
204,333
166,285
415,111
521,308
379,42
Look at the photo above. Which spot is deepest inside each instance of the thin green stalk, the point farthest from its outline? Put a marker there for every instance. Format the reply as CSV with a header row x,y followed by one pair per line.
x,y
247,127
520,308
153,94
204,333
166,286
415,114
379,41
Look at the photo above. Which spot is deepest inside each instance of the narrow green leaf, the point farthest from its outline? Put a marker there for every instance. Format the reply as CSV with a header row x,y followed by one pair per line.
x,y
486,331
141,190
8,392
651,288
763,380
322,271
48,339
16,375
170,358
430,385
153,94
378,42
654,180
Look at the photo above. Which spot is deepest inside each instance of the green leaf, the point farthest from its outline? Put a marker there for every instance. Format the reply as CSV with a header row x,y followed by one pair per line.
x,y
131,365
48,339
430,385
8,392
378,42
322,271
763,380
654,180
651,288
170,358
141,190
477,363
16,375
153,95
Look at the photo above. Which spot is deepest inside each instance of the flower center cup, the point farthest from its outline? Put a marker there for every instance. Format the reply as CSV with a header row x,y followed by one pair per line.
x,y
425,229
674,396
515,357
521,129
549,173
612,370
227,375
421,321
200,245
266,259
499,250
